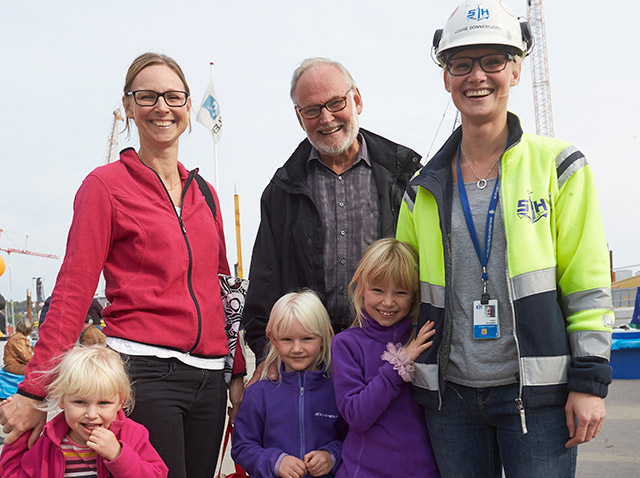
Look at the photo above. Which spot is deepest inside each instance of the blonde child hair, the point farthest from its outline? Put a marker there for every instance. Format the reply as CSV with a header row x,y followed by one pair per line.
x,y
386,260
305,307
85,370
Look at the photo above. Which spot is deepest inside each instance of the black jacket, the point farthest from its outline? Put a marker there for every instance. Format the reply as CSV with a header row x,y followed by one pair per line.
x,y
288,252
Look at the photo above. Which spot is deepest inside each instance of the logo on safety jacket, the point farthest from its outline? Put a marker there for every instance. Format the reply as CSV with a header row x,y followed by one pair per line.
x,y
478,14
534,210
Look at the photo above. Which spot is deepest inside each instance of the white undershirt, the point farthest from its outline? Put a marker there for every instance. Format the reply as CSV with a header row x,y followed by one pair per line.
x,y
129,347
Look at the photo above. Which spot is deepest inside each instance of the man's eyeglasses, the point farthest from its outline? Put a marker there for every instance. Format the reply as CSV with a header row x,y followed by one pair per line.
x,y
492,63
174,99
333,106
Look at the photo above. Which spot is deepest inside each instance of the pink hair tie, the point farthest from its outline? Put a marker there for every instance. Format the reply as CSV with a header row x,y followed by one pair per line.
x,y
404,365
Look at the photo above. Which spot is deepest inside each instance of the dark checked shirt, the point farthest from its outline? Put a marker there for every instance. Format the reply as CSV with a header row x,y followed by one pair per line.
x,y
348,206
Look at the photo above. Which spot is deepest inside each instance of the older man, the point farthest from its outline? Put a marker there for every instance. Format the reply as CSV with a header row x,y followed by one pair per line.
x,y
339,191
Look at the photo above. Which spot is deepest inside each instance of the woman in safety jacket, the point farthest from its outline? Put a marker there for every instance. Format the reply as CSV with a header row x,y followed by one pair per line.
x,y
514,272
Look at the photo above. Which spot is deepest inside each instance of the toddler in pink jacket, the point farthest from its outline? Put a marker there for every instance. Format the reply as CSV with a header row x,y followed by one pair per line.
x,y
91,435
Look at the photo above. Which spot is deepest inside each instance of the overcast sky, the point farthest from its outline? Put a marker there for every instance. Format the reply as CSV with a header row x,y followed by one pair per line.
x,y
64,64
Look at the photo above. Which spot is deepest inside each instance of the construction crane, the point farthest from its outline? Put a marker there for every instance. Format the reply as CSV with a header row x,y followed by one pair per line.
x,y
25,250
10,250
540,70
112,142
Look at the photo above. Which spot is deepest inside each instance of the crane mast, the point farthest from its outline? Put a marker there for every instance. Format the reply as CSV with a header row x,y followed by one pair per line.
x,y
540,70
112,142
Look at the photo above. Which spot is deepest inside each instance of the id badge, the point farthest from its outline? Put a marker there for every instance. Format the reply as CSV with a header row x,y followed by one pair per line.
x,y
485,320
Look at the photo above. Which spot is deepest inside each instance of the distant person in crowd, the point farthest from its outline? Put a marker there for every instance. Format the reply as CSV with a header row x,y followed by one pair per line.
x,y
18,350
145,221
43,311
507,219
91,334
91,436
3,319
276,434
339,191
95,311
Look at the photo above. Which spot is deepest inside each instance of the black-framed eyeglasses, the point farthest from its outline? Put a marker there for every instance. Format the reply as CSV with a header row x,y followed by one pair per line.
x,y
492,63
174,99
333,106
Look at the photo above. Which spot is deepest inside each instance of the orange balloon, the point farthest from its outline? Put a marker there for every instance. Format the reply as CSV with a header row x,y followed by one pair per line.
x,y
2,266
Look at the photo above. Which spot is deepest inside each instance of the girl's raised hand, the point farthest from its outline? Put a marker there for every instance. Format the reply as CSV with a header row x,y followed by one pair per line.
x,y
105,443
422,341
318,462
292,467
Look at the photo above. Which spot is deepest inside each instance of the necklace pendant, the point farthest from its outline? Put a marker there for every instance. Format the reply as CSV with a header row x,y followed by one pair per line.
x,y
481,184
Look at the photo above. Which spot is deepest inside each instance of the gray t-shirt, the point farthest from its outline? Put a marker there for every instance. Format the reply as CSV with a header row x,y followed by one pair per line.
x,y
473,362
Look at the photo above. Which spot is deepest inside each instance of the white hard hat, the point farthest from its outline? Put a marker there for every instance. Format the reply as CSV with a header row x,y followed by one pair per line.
x,y
482,22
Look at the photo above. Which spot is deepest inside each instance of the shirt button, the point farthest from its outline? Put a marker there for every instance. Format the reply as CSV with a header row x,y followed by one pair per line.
x,y
342,233
341,204
343,261
340,178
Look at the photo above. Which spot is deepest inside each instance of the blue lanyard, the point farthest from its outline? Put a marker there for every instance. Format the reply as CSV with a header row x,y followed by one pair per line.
x,y
488,232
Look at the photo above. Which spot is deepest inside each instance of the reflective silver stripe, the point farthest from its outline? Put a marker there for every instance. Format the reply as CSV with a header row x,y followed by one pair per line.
x,y
535,282
432,294
588,299
409,200
545,370
565,171
426,376
591,343
564,154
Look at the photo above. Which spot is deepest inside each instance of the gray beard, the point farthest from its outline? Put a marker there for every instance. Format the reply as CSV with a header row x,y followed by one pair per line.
x,y
341,148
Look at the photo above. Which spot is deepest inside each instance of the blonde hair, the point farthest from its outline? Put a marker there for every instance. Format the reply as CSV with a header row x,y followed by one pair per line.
x,y
306,308
84,371
384,261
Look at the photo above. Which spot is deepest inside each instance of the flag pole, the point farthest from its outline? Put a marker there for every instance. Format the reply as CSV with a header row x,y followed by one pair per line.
x,y
215,148
236,200
215,165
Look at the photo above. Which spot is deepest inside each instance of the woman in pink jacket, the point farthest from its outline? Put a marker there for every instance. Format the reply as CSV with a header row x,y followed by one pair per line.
x,y
154,229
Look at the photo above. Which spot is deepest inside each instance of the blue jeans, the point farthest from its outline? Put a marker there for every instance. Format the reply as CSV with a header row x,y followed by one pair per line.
x,y
183,408
478,431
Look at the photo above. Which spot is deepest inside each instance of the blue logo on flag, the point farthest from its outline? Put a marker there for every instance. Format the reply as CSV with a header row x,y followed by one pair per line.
x,y
212,106
478,14
532,210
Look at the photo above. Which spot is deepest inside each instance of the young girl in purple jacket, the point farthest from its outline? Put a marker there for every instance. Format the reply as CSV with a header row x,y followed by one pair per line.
x,y
372,369
290,427
91,436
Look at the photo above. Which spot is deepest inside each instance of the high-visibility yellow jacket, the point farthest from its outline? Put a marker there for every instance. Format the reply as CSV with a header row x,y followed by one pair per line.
x,y
557,267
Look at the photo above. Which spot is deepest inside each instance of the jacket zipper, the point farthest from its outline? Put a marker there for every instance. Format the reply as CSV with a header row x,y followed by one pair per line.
x,y
186,241
301,377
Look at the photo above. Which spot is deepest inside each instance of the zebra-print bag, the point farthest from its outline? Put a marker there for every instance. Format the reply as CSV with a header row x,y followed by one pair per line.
x,y
233,291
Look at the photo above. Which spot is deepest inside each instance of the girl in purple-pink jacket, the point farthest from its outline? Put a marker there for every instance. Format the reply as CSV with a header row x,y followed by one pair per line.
x,y
373,365
91,436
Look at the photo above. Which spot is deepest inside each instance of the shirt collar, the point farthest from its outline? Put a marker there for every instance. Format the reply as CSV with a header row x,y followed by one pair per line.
x,y
363,155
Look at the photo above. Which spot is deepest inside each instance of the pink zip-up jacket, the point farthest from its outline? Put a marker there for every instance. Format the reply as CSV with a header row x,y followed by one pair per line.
x,y
161,269
137,458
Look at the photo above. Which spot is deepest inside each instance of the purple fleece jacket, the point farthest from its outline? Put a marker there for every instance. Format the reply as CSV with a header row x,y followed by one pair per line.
x,y
387,431
293,417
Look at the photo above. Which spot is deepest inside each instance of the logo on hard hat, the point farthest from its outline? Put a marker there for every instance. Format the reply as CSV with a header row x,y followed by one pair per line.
x,y
478,14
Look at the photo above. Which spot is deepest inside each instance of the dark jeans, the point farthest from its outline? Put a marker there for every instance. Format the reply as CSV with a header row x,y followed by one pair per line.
x,y
478,431
183,408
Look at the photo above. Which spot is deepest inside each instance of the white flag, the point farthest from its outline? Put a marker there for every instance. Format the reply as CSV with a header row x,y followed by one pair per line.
x,y
209,114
